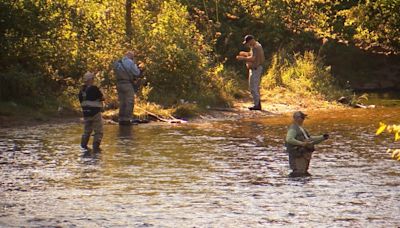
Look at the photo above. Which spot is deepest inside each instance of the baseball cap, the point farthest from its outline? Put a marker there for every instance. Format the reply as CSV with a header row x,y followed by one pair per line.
x,y
299,114
87,76
247,38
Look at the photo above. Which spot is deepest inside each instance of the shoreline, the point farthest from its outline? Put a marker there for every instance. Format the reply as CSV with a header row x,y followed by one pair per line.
x,y
238,111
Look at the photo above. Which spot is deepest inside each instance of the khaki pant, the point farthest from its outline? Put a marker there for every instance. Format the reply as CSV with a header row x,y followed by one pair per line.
x,y
92,123
299,163
254,84
126,101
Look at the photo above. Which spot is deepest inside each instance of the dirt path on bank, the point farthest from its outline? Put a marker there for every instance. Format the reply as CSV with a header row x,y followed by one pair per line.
x,y
240,110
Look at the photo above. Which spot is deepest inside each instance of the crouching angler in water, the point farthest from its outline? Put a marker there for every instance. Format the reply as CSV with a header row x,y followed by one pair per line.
x,y
91,100
300,146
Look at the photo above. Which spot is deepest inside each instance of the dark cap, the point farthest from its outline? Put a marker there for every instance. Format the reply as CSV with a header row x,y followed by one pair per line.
x,y
299,114
247,38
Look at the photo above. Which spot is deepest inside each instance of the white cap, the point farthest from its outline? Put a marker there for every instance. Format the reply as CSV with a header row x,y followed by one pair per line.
x,y
87,76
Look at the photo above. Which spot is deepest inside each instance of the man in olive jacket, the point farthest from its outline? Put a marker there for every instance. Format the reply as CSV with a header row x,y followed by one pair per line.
x,y
300,145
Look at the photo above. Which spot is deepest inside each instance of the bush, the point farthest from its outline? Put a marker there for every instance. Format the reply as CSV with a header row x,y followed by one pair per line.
x,y
176,56
303,74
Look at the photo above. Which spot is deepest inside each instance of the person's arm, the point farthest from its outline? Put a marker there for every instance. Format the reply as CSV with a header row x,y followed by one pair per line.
x,y
318,139
251,58
290,138
99,94
80,96
131,66
244,53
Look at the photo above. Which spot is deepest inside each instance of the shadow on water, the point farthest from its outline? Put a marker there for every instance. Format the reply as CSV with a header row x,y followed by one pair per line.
x,y
215,174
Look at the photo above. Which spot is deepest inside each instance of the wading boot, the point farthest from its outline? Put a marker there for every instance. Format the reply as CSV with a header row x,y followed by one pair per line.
x,y
295,174
125,122
96,147
256,107
84,142
307,174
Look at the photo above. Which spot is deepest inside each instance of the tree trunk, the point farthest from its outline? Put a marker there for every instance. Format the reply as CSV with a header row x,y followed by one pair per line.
x,y
128,20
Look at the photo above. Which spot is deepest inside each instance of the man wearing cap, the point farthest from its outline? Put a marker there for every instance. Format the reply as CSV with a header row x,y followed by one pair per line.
x,y
254,63
91,100
126,72
300,145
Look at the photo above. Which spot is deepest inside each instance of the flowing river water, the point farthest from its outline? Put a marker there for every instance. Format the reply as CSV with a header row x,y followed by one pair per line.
x,y
229,173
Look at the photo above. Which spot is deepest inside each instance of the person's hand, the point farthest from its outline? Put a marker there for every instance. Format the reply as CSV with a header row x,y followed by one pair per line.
x,y
238,57
307,143
326,136
141,65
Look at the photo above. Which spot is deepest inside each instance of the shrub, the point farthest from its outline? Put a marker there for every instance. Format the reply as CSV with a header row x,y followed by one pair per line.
x,y
303,74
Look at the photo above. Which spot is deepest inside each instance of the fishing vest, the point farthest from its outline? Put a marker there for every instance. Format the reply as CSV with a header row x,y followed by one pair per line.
x,y
90,104
299,136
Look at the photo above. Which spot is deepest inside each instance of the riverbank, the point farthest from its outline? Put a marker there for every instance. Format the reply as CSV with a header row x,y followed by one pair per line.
x,y
20,116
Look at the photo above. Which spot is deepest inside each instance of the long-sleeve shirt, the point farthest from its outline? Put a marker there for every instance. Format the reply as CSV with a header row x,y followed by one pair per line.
x,y
126,70
291,137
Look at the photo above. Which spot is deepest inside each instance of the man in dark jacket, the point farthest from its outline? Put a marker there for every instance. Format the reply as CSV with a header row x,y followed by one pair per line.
x,y
91,100
300,145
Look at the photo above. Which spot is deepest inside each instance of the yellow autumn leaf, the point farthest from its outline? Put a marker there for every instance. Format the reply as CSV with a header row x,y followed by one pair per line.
x,y
396,153
396,136
381,128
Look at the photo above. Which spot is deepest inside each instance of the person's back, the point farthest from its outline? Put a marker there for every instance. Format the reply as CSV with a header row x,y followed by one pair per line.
x,y
258,52
126,71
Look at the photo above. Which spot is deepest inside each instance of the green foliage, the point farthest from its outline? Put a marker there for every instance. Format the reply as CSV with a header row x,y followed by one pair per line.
x,y
176,56
303,74
175,63
52,44
188,47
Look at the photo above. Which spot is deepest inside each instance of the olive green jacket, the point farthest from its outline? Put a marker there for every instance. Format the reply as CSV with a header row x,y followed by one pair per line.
x,y
295,138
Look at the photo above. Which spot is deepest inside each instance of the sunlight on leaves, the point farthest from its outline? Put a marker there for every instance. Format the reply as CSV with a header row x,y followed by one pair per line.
x,y
396,136
381,128
391,129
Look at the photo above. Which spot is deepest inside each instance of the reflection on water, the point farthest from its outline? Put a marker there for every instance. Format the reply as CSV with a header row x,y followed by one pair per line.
x,y
218,174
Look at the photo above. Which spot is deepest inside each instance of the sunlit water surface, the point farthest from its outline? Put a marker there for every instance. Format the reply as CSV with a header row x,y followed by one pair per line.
x,y
215,174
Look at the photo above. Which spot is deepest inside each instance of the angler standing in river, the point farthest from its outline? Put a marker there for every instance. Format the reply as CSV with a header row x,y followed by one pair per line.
x,y
127,72
91,100
300,146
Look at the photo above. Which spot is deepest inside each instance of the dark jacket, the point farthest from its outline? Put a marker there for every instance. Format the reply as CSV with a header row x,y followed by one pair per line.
x,y
91,100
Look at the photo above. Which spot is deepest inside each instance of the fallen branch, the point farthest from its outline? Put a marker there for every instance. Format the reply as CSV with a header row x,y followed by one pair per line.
x,y
171,120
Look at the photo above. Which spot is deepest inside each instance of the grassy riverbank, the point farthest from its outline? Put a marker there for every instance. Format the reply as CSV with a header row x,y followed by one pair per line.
x,y
274,102
290,82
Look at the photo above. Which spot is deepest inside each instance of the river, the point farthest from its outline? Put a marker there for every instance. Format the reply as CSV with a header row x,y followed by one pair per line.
x,y
204,174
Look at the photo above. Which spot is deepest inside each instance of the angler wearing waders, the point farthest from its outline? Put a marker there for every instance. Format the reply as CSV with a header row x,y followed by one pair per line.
x,y
126,72
300,146
91,100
